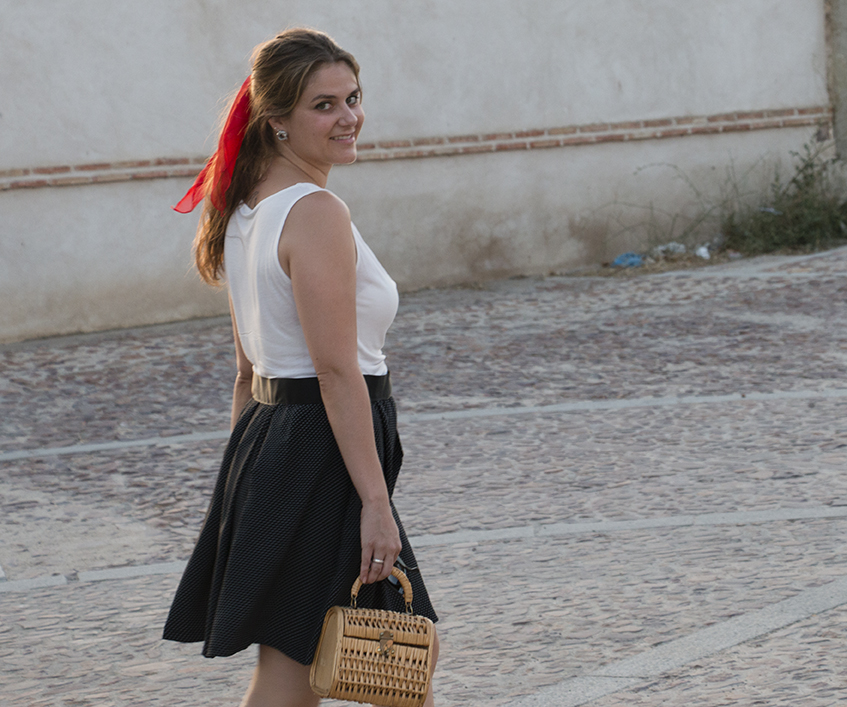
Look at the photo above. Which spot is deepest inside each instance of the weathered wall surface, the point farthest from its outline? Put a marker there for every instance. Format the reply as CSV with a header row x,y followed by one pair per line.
x,y
493,143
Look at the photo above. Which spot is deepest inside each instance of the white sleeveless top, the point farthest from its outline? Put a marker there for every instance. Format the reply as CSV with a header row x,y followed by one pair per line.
x,y
263,300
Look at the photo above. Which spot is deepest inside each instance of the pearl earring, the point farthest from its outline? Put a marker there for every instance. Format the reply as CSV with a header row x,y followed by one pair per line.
x,y
281,135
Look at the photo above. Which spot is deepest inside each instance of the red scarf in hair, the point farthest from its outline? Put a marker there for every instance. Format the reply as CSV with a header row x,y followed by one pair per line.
x,y
218,170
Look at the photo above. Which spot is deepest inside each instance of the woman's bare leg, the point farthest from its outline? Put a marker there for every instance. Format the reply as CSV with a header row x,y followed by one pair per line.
x,y
435,648
279,681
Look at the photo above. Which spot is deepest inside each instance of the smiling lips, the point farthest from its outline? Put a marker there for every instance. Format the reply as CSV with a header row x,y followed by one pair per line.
x,y
344,138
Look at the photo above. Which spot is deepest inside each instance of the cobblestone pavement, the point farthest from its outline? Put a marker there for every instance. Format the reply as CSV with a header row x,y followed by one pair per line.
x,y
596,469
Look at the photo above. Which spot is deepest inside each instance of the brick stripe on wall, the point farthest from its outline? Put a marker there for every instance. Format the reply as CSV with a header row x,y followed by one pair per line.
x,y
533,139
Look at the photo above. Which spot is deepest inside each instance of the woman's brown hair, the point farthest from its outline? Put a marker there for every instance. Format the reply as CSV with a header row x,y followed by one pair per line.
x,y
281,69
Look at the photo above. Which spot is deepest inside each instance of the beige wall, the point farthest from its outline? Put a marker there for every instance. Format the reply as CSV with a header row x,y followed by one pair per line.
x,y
106,86
537,213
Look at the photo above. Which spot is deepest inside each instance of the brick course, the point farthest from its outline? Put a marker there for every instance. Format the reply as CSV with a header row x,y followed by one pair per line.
x,y
92,167
51,170
566,130
529,133
781,113
504,146
443,146
705,129
692,120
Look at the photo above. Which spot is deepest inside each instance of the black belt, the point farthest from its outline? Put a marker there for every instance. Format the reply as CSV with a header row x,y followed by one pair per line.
x,y
307,391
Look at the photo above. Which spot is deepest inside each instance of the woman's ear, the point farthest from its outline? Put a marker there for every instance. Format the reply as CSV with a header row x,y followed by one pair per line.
x,y
276,124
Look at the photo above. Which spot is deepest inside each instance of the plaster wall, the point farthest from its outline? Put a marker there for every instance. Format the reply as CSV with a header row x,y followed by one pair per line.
x,y
91,81
837,12
555,211
93,258
123,263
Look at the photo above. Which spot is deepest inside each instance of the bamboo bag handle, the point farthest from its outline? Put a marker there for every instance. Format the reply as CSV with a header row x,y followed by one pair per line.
x,y
404,582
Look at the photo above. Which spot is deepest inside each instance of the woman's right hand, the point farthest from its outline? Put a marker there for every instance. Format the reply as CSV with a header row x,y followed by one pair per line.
x,y
380,541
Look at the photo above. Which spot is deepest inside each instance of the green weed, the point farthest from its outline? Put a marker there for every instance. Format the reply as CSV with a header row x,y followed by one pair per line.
x,y
806,213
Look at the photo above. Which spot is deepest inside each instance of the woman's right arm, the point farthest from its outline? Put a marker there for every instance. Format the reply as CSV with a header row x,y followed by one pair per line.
x,y
318,252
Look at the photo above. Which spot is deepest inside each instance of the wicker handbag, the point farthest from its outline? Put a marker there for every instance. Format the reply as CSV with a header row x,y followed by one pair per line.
x,y
372,655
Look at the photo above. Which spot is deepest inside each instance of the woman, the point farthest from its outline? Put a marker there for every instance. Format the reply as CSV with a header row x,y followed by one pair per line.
x,y
302,503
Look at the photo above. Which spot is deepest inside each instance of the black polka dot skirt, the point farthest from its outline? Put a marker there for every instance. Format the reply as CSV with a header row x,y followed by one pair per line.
x,y
280,543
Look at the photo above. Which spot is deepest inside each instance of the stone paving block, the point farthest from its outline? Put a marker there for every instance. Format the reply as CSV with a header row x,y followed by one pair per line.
x,y
566,607
515,342
800,665
554,607
119,508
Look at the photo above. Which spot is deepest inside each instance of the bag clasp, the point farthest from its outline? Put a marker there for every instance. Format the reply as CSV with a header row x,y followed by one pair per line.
x,y
386,643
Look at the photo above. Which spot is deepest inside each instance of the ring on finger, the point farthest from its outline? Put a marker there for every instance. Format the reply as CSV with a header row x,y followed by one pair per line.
x,y
378,562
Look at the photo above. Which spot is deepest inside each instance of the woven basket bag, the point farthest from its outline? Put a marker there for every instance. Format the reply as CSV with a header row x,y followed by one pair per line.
x,y
374,656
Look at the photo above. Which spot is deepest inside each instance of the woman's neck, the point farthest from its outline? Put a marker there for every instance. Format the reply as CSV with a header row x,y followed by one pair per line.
x,y
281,174
292,164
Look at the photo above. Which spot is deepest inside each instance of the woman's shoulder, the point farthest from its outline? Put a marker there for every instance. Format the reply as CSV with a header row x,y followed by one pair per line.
x,y
318,230
320,208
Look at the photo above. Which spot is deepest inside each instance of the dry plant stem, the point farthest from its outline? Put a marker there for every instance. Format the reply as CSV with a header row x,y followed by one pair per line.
x,y
801,213
806,212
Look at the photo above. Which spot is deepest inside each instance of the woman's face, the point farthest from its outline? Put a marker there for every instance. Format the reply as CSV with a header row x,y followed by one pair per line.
x,y
324,125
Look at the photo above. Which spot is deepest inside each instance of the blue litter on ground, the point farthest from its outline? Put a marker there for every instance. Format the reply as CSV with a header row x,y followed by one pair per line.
x,y
628,260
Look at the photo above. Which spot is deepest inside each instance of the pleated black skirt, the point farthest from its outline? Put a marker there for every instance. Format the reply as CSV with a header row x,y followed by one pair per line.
x,y
280,544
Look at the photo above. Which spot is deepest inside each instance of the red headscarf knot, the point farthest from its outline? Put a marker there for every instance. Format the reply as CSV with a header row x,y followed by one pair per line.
x,y
219,168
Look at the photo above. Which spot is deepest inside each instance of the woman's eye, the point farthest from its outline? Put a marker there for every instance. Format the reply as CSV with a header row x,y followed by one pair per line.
x,y
323,105
353,100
